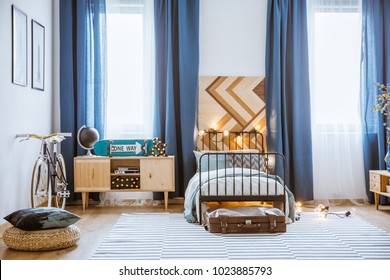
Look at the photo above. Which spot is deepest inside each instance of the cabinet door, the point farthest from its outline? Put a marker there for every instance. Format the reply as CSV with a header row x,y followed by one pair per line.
x,y
157,174
91,174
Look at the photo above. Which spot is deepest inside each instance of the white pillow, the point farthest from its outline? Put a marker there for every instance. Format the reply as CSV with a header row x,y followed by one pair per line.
x,y
215,161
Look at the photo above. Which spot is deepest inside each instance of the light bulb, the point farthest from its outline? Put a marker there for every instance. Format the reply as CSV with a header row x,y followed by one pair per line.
x,y
321,210
298,207
239,140
226,132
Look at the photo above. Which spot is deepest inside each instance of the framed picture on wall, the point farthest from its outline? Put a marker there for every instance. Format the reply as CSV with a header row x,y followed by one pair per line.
x,y
19,47
38,55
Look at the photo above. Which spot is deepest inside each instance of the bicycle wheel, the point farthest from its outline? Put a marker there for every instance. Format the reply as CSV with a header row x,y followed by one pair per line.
x,y
60,183
40,190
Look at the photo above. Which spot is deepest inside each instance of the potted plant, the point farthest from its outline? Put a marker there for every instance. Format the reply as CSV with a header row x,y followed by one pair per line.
x,y
383,106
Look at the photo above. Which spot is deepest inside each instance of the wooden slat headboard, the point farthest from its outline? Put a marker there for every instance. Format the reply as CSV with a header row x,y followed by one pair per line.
x,y
233,103
213,140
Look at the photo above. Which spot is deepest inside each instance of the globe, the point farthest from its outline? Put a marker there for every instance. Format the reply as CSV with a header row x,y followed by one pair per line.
x,y
87,137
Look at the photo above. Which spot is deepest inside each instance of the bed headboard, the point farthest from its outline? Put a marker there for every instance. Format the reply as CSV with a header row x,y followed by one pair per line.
x,y
233,103
214,140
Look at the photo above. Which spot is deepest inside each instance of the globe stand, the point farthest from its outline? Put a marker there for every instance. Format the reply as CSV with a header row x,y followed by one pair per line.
x,y
91,144
89,154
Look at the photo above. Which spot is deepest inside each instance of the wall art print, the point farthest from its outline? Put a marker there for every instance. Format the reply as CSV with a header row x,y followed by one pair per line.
x,y
38,55
19,47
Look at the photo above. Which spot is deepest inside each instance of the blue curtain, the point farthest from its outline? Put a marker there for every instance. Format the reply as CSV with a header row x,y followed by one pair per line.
x,y
177,64
82,72
287,93
375,67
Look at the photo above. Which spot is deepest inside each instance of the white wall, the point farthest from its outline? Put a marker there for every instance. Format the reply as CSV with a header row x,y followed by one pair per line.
x,y
22,109
232,37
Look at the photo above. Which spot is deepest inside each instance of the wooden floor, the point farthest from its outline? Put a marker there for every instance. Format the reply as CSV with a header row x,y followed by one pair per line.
x,y
97,221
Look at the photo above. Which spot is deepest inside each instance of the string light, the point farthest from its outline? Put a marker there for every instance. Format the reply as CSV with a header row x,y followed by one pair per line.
x,y
298,210
298,207
239,140
323,211
201,132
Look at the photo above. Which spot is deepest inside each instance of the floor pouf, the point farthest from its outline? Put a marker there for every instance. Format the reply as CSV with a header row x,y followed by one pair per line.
x,y
41,240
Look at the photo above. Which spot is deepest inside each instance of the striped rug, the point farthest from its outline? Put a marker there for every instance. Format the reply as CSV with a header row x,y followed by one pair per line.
x,y
169,236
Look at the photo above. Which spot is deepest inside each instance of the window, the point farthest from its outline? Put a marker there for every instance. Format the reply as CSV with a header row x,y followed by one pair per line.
x,y
129,69
334,56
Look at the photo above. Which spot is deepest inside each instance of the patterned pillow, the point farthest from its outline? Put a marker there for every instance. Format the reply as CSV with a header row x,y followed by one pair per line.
x,y
248,159
41,218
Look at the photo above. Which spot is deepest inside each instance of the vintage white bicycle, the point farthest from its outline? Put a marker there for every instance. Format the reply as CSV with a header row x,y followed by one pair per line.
x,y
48,182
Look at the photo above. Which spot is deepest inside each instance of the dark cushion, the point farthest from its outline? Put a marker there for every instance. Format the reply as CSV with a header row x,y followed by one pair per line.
x,y
41,218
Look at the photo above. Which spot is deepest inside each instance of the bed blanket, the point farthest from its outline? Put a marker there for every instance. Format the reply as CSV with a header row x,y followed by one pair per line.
x,y
233,176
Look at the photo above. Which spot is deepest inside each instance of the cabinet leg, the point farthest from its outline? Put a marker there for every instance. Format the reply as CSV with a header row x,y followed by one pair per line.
x,y
84,198
376,196
166,200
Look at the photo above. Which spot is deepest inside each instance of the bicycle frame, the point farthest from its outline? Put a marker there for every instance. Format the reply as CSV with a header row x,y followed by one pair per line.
x,y
52,167
52,161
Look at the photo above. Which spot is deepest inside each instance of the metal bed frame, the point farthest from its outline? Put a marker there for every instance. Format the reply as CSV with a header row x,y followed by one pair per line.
x,y
222,144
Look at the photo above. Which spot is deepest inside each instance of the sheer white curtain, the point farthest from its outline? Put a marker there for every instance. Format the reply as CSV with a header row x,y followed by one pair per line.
x,y
130,81
334,51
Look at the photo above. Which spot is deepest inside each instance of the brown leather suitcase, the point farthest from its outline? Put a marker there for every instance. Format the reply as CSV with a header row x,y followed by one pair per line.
x,y
245,219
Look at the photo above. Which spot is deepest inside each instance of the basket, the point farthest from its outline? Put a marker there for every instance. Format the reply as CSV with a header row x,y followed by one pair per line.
x,y
41,240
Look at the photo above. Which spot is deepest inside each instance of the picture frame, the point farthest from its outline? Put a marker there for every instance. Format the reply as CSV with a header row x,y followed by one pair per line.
x,y
38,55
19,46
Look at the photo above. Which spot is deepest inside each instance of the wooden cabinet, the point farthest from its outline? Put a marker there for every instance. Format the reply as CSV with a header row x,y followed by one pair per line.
x,y
106,174
155,174
92,174
379,179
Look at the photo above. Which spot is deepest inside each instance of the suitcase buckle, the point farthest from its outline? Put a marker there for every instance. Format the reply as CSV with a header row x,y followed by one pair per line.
x,y
248,222
224,226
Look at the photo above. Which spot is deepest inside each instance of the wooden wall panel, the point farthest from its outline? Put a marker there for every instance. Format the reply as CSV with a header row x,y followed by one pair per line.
x,y
233,103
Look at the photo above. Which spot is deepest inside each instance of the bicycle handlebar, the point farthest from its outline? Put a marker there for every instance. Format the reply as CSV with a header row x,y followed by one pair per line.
x,y
60,134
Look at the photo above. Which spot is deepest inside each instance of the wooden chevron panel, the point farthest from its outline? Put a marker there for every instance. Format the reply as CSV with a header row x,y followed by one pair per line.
x,y
233,103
